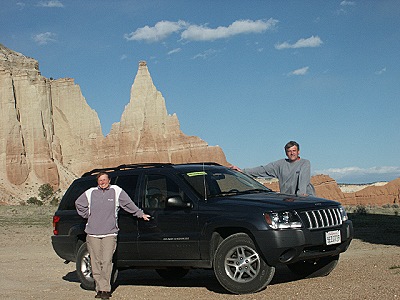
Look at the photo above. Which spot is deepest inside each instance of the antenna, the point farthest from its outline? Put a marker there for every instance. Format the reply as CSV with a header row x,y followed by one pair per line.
x,y
204,183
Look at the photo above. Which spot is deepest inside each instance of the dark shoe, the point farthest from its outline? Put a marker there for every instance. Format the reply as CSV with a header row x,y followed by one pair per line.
x,y
105,295
98,295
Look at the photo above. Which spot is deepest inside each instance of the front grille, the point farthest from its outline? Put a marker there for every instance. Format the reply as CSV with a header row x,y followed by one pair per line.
x,y
321,218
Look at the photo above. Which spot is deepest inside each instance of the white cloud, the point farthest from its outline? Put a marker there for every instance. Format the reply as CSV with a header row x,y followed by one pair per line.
x,y
51,3
204,33
380,72
164,29
347,3
21,5
301,71
159,32
123,57
44,38
175,51
313,41
206,54
362,175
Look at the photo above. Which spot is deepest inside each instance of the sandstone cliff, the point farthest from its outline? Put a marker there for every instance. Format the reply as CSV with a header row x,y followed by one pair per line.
x,y
49,134
326,187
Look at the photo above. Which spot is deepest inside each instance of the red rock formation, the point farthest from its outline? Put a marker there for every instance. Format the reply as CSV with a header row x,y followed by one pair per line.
x,y
379,195
326,187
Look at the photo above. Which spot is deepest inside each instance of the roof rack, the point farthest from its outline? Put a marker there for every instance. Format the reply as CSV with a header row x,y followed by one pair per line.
x,y
140,165
125,167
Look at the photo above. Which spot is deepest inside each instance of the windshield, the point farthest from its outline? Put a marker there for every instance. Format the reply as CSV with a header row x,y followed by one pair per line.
x,y
215,182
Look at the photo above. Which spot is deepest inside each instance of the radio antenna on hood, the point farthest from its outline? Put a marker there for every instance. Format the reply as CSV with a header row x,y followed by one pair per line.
x,y
204,183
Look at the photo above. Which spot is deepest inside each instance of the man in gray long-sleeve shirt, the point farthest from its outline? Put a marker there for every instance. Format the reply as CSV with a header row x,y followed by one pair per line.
x,y
100,205
293,173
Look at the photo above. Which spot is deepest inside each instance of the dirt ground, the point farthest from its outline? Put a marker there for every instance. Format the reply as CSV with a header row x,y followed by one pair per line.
x,y
30,269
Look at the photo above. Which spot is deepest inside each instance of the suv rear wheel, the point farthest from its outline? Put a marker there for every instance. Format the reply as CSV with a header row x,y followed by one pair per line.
x,y
239,267
84,269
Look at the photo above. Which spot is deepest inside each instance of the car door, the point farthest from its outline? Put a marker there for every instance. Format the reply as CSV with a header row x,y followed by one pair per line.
x,y
172,233
127,223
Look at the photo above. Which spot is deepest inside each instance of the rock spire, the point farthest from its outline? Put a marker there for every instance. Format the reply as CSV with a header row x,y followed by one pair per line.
x,y
49,134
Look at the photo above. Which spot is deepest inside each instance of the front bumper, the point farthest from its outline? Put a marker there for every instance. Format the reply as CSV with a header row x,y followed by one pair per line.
x,y
292,245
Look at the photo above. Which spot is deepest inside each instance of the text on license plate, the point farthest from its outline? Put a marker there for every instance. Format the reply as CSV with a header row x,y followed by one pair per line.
x,y
332,237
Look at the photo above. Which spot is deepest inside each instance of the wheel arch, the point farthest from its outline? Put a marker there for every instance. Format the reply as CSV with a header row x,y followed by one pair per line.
x,y
79,235
221,233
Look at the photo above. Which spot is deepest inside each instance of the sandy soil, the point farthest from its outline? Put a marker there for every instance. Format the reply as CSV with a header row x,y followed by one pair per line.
x,y
30,269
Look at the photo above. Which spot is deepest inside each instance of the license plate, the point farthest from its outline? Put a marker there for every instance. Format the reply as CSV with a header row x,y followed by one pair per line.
x,y
333,237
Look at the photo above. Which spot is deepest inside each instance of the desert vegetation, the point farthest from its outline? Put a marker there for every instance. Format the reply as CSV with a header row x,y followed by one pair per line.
x,y
46,195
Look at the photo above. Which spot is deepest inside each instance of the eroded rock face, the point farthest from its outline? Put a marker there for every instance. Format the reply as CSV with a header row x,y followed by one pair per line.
x,y
26,121
46,125
389,193
147,133
326,187
49,134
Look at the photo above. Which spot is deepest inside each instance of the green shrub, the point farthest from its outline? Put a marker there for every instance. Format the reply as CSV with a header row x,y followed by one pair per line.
x,y
361,210
55,201
34,201
45,191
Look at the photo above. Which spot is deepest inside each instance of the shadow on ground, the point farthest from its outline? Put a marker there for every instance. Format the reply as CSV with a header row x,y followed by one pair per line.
x,y
195,278
376,228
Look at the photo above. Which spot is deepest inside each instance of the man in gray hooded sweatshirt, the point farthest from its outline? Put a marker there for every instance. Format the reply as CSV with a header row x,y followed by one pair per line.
x,y
100,205
293,173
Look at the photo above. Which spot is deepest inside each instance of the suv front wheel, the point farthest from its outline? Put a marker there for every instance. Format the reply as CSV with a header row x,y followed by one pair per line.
x,y
239,267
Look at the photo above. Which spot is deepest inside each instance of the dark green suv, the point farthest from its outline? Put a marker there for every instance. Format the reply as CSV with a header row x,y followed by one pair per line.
x,y
208,216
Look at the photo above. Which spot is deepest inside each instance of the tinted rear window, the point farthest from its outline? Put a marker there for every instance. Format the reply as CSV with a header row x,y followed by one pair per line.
x,y
76,189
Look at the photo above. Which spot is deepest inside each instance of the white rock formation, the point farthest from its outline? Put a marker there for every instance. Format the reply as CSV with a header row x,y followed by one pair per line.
x,y
49,134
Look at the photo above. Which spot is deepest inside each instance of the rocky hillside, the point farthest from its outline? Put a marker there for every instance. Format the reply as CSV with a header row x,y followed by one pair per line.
x,y
49,134
326,187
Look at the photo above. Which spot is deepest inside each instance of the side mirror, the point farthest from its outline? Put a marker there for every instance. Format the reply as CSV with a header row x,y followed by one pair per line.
x,y
177,201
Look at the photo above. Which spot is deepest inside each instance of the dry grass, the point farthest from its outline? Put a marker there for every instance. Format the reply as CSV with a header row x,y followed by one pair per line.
x,y
26,215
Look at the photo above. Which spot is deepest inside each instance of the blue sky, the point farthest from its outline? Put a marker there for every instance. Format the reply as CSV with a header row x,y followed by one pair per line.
x,y
245,75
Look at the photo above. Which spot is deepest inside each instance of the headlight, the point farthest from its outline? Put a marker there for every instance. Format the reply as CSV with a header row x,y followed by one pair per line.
x,y
343,214
283,220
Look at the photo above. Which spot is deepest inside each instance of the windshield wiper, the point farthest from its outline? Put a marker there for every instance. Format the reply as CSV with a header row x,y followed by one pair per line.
x,y
256,191
237,192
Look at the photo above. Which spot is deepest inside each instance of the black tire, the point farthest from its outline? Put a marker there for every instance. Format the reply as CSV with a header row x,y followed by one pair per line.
x,y
314,268
172,273
84,269
239,267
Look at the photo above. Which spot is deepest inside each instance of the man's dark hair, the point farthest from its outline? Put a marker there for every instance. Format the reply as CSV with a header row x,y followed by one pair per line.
x,y
102,173
291,144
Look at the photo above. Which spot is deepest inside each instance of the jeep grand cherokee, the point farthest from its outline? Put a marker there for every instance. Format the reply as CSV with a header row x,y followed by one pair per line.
x,y
208,216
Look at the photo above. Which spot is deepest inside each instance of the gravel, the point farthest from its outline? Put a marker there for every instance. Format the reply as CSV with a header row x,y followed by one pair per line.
x,y
30,269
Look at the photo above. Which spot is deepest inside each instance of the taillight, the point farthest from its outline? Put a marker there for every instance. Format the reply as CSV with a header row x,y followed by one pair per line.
x,y
55,221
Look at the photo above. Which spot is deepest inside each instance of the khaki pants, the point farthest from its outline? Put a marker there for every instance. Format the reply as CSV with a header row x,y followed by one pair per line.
x,y
101,251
